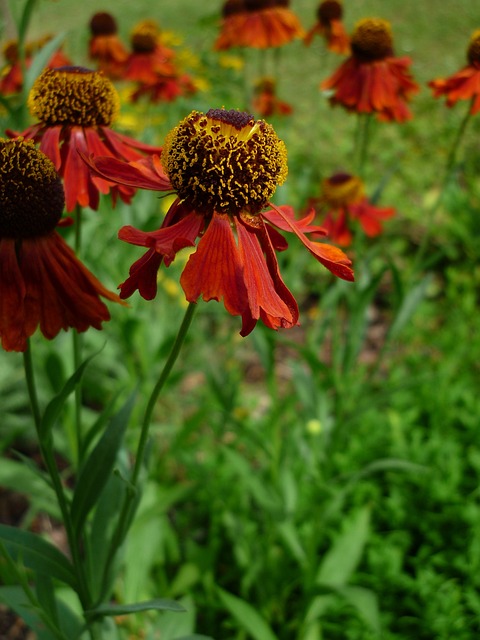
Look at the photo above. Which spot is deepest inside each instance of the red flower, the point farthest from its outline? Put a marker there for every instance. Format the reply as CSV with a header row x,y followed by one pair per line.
x,y
42,283
372,80
76,107
257,23
329,25
465,84
224,167
342,203
105,46
265,100
11,80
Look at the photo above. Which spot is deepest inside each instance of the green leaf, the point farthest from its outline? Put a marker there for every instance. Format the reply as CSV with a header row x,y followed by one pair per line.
x,y
343,557
365,602
15,599
55,406
98,467
41,60
409,305
158,604
246,616
195,636
37,554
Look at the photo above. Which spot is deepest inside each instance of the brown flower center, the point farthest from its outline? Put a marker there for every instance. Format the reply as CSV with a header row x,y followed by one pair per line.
x,y
232,7
473,53
31,192
74,96
372,40
259,5
329,10
103,24
144,37
341,190
224,161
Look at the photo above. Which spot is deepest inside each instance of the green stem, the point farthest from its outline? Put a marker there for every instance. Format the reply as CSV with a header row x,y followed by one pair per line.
x,y
362,139
76,441
449,166
46,449
126,512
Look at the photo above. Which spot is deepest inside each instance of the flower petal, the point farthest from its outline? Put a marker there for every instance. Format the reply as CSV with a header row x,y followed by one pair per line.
x,y
215,270
331,257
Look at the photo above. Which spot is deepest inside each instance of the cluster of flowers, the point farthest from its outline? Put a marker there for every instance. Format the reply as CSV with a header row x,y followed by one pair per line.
x,y
223,166
148,63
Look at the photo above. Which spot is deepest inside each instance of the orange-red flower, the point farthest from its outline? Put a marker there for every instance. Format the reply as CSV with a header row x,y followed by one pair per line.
x,y
265,100
75,107
11,80
224,167
465,84
42,283
257,23
329,25
372,79
152,66
105,46
342,204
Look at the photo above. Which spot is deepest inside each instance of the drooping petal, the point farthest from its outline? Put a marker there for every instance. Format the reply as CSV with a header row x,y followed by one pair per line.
x,y
269,298
44,284
13,330
145,173
143,276
167,240
331,257
215,270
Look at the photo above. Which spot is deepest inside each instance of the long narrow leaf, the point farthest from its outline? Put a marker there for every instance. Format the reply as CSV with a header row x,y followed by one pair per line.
x,y
158,604
99,466
246,616
342,558
55,406
37,554
41,60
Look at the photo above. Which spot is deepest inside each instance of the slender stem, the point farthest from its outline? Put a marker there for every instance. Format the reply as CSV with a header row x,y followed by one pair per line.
x,y
182,332
362,138
32,390
449,166
125,514
46,448
76,441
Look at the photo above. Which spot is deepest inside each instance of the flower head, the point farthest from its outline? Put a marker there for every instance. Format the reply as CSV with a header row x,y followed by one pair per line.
x,y
464,84
257,23
154,67
105,46
224,166
343,203
42,283
372,79
329,25
265,100
75,108
11,77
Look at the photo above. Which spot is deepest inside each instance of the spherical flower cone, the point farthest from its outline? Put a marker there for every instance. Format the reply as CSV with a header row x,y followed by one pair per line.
x,y
372,79
42,283
464,84
105,46
224,167
75,108
343,204
329,25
